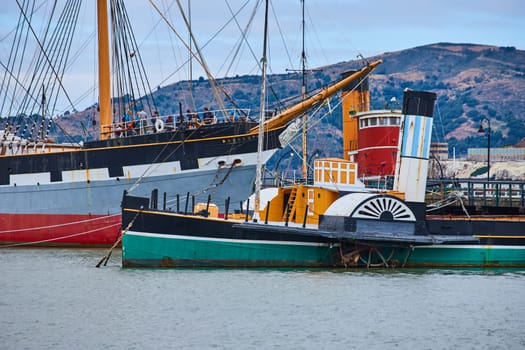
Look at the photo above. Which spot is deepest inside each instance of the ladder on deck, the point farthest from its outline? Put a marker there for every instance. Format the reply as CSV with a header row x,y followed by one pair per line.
x,y
290,206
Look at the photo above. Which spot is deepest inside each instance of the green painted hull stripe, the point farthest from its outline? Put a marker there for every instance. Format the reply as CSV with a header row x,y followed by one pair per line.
x,y
155,249
166,250
468,255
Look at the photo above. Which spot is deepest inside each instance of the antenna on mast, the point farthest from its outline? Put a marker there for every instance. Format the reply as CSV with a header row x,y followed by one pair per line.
x,y
303,93
304,118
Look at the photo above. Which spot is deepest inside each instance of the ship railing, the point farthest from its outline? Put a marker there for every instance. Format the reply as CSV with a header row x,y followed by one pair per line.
x,y
496,193
16,146
171,122
282,180
194,120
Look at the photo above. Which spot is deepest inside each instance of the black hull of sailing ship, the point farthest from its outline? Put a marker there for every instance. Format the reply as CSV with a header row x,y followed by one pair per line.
x,y
184,146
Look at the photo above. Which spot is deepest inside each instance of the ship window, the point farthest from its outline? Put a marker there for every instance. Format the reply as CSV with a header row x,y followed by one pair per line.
x,y
394,120
382,121
373,121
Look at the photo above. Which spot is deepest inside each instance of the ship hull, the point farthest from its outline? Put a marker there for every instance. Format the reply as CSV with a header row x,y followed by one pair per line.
x,y
89,215
164,239
158,238
154,250
143,249
63,230
443,256
73,198
500,242
437,256
468,255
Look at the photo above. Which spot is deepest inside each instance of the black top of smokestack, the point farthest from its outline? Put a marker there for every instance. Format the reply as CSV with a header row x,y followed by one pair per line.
x,y
419,103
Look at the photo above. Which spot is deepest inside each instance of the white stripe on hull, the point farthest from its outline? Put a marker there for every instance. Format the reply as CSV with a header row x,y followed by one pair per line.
x,y
214,239
85,175
30,179
156,169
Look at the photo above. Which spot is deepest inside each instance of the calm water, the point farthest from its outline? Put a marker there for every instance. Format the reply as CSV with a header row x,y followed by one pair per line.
x,y
57,299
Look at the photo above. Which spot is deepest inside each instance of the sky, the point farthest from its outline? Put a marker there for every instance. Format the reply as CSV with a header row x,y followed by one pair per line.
x,y
335,31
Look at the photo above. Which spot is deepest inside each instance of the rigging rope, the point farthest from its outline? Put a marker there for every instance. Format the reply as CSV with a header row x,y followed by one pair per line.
x,y
453,198
313,123
131,80
155,164
45,54
12,57
45,71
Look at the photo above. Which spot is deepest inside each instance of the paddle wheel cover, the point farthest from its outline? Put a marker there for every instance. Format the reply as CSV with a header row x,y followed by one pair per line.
x,y
371,206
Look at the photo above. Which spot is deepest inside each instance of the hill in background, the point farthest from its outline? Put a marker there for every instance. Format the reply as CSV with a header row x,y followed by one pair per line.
x,y
472,82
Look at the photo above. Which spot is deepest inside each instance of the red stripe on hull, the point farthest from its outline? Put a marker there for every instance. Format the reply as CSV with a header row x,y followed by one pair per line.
x,y
82,230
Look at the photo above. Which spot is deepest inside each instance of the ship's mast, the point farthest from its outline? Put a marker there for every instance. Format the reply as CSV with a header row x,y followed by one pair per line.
x,y
43,111
303,93
190,59
258,173
103,70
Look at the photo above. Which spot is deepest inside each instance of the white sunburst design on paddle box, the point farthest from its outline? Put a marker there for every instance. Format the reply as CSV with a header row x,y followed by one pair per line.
x,y
371,206
383,208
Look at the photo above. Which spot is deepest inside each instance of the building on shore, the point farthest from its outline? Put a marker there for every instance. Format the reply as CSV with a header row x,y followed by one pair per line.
x,y
439,150
499,154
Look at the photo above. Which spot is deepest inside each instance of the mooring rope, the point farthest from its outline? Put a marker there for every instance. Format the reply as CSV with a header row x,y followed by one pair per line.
x,y
105,258
213,184
453,198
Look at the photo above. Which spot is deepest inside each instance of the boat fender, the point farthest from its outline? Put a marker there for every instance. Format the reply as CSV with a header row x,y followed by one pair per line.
x,y
159,125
